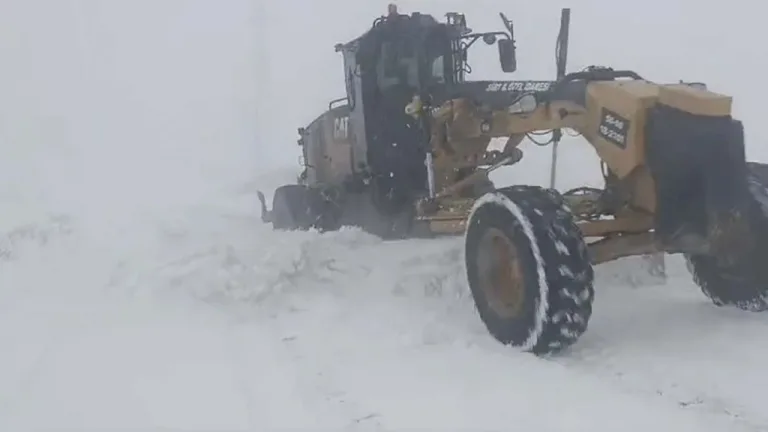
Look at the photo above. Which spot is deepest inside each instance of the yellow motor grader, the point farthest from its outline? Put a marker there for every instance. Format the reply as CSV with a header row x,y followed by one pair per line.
x,y
405,154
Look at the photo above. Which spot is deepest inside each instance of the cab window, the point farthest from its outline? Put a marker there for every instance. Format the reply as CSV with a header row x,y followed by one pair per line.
x,y
438,70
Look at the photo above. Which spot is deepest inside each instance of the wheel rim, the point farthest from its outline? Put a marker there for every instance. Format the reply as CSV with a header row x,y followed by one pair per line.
x,y
501,274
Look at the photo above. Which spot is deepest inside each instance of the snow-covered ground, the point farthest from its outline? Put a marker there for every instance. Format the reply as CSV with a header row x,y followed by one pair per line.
x,y
206,320
139,291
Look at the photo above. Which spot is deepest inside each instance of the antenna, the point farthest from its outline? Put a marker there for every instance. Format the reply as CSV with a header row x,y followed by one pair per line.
x,y
561,59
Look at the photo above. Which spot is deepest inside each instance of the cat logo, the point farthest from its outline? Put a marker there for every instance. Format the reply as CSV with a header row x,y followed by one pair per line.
x,y
341,128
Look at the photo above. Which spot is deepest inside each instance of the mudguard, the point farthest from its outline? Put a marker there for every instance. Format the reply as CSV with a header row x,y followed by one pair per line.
x,y
699,166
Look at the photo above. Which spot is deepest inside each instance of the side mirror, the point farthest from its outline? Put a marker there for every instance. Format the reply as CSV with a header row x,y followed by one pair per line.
x,y
507,55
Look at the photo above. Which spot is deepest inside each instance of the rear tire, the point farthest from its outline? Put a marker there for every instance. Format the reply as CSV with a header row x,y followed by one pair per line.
x,y
293,208
744,284
546,305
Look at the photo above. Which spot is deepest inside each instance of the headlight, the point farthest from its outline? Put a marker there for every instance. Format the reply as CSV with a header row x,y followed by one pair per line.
x,y
525,104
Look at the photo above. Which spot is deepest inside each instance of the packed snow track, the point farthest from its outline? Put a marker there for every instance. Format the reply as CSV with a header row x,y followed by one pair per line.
x,y
207,320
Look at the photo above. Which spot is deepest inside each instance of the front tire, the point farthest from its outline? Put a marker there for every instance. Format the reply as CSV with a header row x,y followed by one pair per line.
x,y
743,284
529,269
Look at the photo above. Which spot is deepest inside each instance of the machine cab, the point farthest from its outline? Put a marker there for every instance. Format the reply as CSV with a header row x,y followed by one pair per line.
x,y
402,56
399,57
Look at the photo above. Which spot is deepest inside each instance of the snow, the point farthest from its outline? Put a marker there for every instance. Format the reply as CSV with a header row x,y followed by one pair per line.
x,y
199,325
202,324
139,290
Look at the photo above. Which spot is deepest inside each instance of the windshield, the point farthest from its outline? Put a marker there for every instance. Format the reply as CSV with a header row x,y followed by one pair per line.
x,y
397,68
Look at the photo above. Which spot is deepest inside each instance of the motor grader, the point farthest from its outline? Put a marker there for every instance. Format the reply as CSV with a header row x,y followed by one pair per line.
x,y
405,154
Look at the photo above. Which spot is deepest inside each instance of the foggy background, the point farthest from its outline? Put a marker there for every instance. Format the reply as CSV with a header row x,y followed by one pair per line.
x,y
160,302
